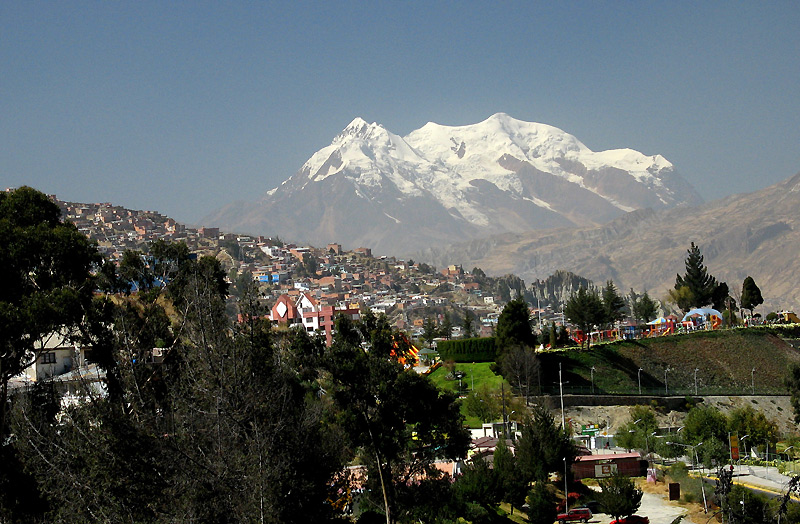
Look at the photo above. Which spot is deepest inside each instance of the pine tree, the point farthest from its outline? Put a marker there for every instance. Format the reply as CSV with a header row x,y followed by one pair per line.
x,y
696,287
644,308
467,325
514,326
613,304
751,295
585,309
447,327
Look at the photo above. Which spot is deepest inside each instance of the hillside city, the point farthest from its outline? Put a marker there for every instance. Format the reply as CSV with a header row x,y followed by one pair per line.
x,y
406,291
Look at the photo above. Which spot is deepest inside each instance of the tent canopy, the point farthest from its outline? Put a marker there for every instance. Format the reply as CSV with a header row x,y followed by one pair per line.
x,y
702,312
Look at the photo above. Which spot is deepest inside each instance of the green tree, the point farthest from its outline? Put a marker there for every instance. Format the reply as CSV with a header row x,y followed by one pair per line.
x,y
514,326
751,295
760,430
637,432
619,496
478,484
48,285
542,446
446,329
521,367
584,309
467,325
510,484
482,403
202,436
700,286
644,308
400,420
753,511
542,504
429,330
708,426
792,384
713,452
613,304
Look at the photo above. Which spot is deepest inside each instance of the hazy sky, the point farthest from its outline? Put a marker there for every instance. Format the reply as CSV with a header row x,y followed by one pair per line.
x,y
182,107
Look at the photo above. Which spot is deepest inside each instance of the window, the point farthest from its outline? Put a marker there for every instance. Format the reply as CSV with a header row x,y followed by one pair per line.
x,y
49,358
322,319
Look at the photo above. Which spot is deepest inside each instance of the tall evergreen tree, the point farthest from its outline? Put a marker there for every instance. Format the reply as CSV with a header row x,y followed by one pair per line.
x,y
585,309
751,295
467,325
543,446
514,326
697,284
613,304
644,307
447,327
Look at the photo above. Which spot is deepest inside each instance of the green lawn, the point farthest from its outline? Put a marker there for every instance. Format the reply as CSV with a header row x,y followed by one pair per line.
x,y
478,373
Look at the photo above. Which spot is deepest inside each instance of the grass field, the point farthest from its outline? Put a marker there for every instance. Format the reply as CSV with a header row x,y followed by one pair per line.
x,y
478,374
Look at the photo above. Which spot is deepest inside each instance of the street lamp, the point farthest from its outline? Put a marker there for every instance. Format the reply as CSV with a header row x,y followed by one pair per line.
x,y
592,370
639,375
740,455
472,372
787,454
666,389
753,382
566,489
695,380
561,392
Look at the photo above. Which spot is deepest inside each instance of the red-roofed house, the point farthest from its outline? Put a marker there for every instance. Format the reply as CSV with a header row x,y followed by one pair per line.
x,y
284,312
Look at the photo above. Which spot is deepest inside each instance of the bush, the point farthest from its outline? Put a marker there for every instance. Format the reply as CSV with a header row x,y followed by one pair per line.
x,y
468,350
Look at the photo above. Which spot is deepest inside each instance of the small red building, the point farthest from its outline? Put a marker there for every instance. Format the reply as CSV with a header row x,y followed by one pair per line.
x,y
600,466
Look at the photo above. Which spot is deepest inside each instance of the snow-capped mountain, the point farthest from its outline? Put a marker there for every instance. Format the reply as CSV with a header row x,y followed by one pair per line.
x,y
442,184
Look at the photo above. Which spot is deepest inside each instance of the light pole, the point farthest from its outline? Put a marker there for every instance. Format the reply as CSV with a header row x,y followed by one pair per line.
x,y
695,380
566,489
639,375
740,455
561,391
753,380
697,461
592,370
787,454
666,389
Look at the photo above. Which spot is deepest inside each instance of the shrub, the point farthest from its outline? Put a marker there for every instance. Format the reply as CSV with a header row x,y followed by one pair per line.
x,y
468,350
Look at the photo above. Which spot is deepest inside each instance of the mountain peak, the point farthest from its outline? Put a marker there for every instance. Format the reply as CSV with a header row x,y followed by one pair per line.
x,y
359,128
443,182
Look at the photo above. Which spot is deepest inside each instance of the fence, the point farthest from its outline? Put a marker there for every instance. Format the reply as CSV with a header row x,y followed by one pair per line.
x,y
662,392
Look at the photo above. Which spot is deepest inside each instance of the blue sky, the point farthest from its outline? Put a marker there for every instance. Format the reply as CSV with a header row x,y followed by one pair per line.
x,y
183,107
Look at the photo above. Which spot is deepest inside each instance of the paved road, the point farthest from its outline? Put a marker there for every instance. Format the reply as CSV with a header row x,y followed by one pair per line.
x,y
657,508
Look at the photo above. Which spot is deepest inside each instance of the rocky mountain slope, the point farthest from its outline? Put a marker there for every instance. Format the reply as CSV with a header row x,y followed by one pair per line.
x,y
441,184
756,234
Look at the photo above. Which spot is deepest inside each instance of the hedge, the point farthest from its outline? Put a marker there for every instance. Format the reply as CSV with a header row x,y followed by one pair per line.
x,y
467,350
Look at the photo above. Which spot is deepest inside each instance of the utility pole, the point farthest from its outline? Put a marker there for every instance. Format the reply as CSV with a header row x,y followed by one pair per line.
x,y
505,420
561,391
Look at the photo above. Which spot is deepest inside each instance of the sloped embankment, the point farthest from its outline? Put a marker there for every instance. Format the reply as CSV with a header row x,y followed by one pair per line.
x,y
727,363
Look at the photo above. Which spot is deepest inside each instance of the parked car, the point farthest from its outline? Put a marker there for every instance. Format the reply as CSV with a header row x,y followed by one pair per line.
x,y
575,515
633,519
